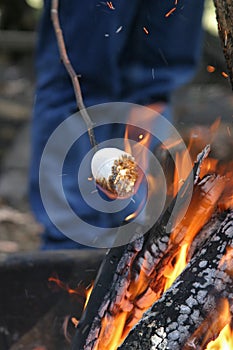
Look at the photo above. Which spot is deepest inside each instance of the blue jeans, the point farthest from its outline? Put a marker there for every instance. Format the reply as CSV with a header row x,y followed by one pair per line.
x,y
132,53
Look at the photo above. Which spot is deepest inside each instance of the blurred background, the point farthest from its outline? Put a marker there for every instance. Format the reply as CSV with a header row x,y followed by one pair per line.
x,y
196,107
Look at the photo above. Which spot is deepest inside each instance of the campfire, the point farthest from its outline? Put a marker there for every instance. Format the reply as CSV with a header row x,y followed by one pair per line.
x,y
172,287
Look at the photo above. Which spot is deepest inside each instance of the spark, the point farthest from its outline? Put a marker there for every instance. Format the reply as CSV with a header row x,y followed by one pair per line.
x,y
170,12
225,38
210,69
229,130
140,137
225,75
75,322
146,30
119,29
110,5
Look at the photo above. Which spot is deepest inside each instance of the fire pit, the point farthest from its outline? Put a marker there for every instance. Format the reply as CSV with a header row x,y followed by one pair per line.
x,y
39,292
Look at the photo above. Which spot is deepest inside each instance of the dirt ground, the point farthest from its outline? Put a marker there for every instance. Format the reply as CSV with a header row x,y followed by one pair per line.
x,y
196,107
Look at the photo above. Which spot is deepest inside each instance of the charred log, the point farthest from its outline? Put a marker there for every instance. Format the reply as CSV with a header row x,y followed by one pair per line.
x,y
172,321
116,287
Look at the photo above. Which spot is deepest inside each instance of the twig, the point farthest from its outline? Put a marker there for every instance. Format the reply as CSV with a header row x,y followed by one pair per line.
x,y
72,73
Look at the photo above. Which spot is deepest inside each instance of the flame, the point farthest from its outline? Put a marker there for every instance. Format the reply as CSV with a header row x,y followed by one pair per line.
x,y
215,332
210,69
224,340
81,291
171,272
88,294
64,286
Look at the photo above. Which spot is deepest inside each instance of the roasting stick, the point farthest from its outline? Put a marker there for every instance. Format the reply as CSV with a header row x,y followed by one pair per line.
x,y
74,77
119,172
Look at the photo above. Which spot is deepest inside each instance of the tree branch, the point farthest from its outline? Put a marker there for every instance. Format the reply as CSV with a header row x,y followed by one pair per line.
x,y
224,13
72,73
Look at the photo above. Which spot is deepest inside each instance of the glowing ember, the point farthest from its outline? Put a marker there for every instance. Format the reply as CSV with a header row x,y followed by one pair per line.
x,y
170,12
75,321
80,291
146,30
225,75
210,69
224,340
110,5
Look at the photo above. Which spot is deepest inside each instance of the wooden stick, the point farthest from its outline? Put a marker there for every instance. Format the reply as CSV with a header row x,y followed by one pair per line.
x,y
72,73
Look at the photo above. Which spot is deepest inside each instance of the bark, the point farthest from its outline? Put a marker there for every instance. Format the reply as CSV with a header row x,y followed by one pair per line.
x,y
172,320
116,285
224,13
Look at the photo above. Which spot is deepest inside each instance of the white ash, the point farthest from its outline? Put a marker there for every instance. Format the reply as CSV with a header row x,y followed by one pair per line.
x,y
165,239
229,230
191,302
221,248
216,239
162,246
203,263
184,309
184,332
115,171
209,276
169,303
174,335
195,315
201,295
173,326
154,249
182,318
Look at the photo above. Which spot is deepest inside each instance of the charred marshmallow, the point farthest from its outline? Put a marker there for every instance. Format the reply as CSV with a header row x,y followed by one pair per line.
x,y
115,171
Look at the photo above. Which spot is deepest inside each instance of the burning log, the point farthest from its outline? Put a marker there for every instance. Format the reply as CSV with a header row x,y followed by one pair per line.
x,y
192,299
128,280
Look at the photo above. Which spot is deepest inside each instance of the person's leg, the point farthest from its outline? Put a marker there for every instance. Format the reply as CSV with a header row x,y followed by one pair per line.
x,y
92,38
97,40
162,50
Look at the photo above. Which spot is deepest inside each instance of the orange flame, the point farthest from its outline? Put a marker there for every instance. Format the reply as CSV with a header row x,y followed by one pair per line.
x,y
224,340
79,290
223,319
215,332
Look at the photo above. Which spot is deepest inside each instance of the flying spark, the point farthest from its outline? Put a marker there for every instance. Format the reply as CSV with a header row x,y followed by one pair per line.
x,y
170,12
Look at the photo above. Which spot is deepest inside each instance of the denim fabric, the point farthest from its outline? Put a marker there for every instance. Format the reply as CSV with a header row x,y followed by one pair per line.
x,y
131,53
